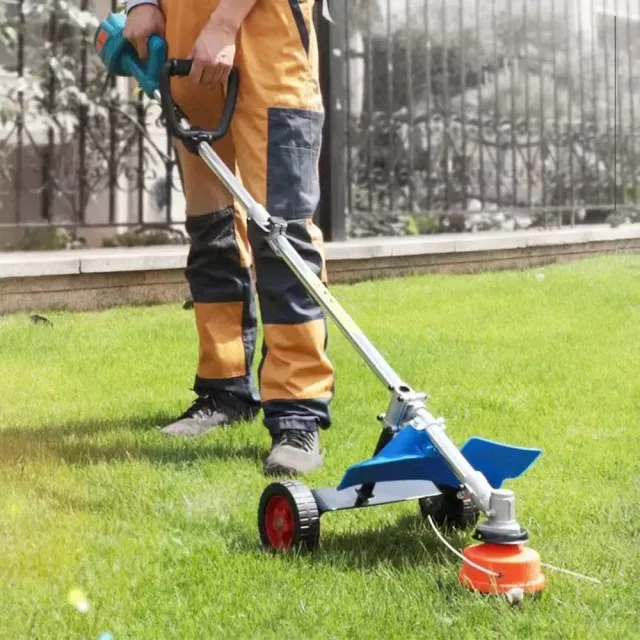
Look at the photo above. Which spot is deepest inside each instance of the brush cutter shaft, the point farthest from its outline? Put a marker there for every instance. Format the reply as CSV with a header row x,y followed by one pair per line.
x,y
275,230
473,480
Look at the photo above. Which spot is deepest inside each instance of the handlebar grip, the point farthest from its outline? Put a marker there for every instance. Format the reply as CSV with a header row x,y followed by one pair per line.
x,y
181,67
172,113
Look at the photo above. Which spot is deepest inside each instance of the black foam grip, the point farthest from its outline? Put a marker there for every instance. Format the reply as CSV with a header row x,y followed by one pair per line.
x,y
181,67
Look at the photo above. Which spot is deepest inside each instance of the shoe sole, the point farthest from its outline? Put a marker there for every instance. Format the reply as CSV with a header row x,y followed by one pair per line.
x,y
280,469
165,431
280,472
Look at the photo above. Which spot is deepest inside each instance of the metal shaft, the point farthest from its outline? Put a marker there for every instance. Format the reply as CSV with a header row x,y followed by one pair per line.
x,y
475,481
255,212
466,474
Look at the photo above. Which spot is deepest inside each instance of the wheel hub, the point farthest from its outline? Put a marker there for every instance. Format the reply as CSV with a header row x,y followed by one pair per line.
x,y
279,523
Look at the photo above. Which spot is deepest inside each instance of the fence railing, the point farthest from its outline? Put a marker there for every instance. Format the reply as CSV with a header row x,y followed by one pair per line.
x,y
472,113
78,149
441,115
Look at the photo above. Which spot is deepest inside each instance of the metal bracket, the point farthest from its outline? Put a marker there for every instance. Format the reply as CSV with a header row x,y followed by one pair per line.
x,y
402,408
192,145
277,229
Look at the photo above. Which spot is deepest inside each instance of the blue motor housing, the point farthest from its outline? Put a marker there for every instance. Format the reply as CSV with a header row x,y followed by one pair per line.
x,y
121,58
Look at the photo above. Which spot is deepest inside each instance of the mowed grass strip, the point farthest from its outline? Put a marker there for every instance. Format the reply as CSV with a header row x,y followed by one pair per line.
x,y
158,537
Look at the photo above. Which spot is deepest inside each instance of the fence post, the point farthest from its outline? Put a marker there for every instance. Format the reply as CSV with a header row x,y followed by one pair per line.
x,y
333,57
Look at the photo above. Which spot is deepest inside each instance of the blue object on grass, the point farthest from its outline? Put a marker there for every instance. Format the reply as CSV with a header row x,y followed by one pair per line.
x,y
411,456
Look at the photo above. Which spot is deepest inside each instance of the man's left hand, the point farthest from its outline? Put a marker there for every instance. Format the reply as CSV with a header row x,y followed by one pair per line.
x,y
214,52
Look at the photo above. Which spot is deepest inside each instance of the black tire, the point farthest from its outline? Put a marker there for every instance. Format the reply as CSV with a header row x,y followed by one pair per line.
x,y
453,510
288,517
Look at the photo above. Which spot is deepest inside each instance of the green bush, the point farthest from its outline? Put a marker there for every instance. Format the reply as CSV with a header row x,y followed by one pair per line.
x,y
145,238
411,228
422,225
47,239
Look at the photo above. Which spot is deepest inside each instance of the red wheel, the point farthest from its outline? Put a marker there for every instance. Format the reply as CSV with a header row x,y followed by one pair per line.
x,y
279,523
288,517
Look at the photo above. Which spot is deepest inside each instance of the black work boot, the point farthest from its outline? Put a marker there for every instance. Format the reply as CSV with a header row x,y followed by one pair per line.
x,y
207,413
293,452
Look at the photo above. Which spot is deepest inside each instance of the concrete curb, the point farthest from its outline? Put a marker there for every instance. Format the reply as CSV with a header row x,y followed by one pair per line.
x,y
101,278
30,264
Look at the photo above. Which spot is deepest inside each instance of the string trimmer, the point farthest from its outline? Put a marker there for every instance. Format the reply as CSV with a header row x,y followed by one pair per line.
x,y
414,458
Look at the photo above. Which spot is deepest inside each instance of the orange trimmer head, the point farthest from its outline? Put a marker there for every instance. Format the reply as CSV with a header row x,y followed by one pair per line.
x,y
501,568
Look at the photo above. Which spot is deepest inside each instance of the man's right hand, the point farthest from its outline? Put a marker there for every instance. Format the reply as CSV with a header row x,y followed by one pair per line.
x,y
143,21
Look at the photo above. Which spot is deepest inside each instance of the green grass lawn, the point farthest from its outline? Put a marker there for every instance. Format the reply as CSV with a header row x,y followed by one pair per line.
x,y
161,536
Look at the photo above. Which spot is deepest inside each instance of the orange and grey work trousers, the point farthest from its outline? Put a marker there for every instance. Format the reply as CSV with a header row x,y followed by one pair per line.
x,y
274,146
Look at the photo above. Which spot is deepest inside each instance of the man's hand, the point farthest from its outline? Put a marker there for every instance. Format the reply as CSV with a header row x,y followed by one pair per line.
x,y
143,21
214,51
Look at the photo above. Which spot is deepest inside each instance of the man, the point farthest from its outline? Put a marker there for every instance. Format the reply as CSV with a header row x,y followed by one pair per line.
x,y
274,143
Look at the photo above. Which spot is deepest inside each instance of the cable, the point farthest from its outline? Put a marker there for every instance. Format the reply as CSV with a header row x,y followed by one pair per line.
x,y
456,552
571,573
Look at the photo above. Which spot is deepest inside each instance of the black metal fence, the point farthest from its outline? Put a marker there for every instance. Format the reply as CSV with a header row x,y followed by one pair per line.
x,y
442,115
78,150
471,114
